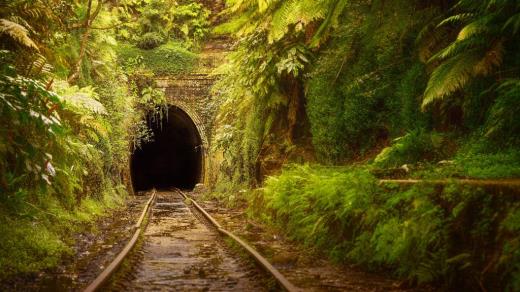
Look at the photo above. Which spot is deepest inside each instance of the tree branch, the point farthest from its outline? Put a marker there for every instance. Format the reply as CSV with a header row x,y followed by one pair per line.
x,y
89,19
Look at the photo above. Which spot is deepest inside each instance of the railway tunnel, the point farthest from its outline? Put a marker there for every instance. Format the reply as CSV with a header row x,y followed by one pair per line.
x,y
174,157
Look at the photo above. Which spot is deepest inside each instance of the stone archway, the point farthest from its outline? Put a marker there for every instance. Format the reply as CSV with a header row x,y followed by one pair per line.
x,y
201,128
175,157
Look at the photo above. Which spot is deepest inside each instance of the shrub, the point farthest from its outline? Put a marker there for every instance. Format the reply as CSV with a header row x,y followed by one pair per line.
x,y
167,59
416,146
451,237
150,40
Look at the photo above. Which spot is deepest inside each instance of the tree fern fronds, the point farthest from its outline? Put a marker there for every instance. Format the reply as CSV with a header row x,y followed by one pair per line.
x,y
239,6
40,66
96,125
428,38
503,117
233,25
84,101
513,22
263,5
335,10
458,47
21,21
455,19
475,28
17,32
450,76
293,12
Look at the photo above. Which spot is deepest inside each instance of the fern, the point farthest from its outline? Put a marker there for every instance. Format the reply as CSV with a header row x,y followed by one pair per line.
x,y
17,33
512,23
295,12
335,9
449,77
478,49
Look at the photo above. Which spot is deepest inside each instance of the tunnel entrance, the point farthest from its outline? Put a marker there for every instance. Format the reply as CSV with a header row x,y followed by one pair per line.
x,y
174,156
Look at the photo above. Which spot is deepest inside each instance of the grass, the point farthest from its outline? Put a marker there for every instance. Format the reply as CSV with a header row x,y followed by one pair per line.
x,y
168,59
44,232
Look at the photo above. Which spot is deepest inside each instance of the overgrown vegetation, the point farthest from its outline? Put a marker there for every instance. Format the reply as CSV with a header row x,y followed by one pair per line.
x,y
370,89
168,59
400,89
64,146
454,236
159,34
70,113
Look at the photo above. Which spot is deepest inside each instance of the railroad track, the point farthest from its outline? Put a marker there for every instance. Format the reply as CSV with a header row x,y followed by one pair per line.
x,y
183,251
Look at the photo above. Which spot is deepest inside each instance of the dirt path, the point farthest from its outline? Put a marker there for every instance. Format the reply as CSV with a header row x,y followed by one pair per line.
x,y
180,253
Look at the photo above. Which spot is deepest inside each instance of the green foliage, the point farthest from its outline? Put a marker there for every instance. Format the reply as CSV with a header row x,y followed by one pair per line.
x,y
160,21
170,58
149,41
251,87
483,159
44,231
503,123
509,262
17,33
413,147
30,125
29,247
190,22
265,78
365,86
482,41
64,147
423,234
282,19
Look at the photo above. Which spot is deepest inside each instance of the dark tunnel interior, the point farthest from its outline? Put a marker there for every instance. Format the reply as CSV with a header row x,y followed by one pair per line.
x,y
173,158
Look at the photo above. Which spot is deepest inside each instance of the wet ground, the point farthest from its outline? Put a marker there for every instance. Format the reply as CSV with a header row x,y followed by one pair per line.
x,y
303,267
180,252
94,249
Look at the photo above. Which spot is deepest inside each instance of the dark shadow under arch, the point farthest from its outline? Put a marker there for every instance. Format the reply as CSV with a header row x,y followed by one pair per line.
x,y
173,159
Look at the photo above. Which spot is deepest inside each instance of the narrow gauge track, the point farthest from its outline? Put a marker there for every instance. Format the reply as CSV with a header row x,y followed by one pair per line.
x,y
182,253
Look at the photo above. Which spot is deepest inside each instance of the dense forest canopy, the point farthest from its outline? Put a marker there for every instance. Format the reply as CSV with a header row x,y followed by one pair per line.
x,y
317,101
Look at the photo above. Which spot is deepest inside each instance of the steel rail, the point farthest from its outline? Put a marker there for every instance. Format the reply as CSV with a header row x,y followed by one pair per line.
x,y
257,256
102,278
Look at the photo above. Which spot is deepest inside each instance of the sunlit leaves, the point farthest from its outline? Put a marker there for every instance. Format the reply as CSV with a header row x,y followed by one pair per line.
x,y
17,32
31,124
450,76
478,49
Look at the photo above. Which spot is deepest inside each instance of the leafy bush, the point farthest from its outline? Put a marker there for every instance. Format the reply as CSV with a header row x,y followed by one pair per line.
x,y
160,21
65,146
480,158
416,146
190,22
423,234
150,40
170,58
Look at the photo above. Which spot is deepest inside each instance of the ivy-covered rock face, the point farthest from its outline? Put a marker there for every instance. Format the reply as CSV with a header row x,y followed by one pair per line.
x,y
414,89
